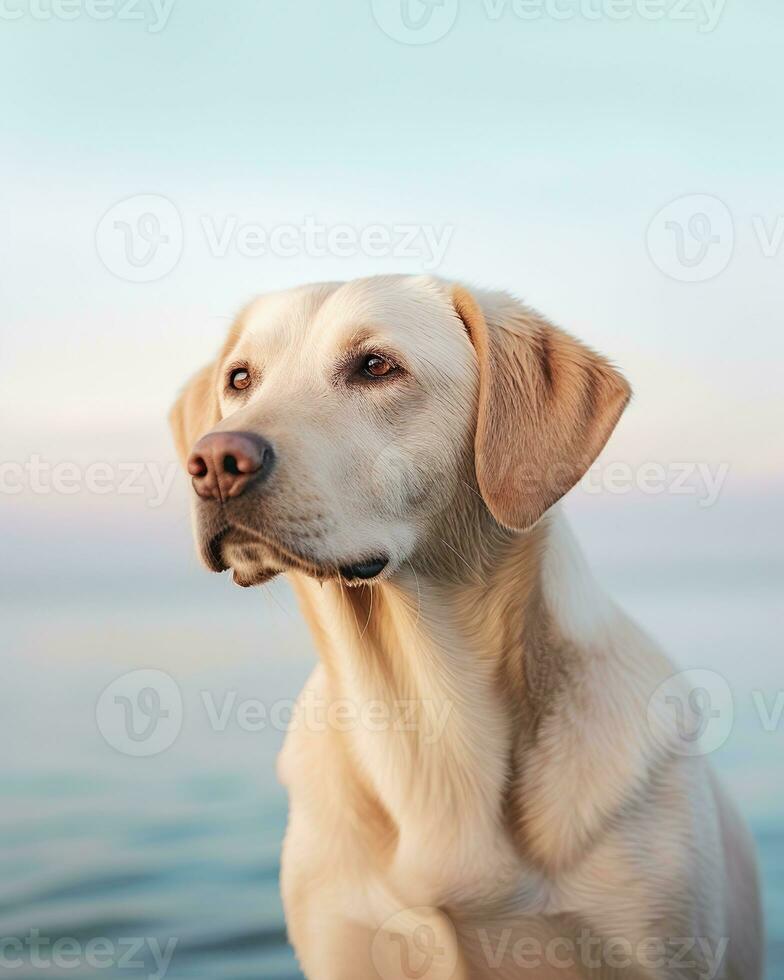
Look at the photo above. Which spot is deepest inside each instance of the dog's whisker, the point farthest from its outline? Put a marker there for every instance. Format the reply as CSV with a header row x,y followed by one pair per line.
x,y
345,599
462,559
268,590
370,613
419,592
473,490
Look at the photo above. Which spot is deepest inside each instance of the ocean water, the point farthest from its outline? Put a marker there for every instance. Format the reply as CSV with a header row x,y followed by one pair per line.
x,y
168,864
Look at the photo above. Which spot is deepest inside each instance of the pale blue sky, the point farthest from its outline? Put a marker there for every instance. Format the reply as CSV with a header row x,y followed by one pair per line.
x,y
546,146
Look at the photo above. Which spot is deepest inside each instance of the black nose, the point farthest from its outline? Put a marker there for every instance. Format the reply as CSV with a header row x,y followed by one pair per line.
x,y
222,464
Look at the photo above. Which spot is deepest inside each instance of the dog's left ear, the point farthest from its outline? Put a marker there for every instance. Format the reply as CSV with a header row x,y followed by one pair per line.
x,y
195,412
547,405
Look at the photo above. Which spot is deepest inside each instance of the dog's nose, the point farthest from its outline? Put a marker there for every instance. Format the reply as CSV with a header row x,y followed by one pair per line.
x,y
222,464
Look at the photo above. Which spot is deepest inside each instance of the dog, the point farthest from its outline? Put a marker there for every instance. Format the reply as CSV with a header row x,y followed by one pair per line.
x,y
499,789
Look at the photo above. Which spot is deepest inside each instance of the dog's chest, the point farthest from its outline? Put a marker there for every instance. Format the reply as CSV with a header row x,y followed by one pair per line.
x,y
441,774
431,744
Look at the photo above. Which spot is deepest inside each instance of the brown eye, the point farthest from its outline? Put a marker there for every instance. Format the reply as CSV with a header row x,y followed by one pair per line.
x,y
239,379
376,366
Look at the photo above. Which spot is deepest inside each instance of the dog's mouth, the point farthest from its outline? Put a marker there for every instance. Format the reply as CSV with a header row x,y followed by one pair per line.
x,y
364,570
255,558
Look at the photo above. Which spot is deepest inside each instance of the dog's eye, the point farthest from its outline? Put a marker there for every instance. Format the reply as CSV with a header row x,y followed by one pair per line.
x,y
376,366
239,379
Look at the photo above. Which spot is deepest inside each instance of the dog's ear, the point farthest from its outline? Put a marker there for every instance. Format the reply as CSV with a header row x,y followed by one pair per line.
x,y
196,411
547,405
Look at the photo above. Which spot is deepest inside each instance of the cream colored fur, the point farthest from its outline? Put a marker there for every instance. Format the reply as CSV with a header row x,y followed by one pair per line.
x,y
504,807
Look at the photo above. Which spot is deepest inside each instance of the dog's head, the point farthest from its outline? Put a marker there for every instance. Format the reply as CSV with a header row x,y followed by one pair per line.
x,y
343,422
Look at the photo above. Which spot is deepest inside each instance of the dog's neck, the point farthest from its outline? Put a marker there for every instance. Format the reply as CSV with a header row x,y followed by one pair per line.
x,y
446,674
486,614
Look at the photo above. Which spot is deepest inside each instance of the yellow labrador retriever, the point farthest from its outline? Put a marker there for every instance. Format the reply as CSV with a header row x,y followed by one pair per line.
x,y
485,778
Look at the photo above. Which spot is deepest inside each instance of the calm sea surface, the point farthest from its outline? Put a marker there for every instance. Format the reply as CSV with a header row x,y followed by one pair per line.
x,y
172,860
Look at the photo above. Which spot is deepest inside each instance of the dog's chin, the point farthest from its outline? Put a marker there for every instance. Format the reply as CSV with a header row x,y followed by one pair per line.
x,y
254,561
248,577
251,562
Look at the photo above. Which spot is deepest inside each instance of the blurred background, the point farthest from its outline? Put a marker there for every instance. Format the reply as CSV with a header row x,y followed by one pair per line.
x,y
617,163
